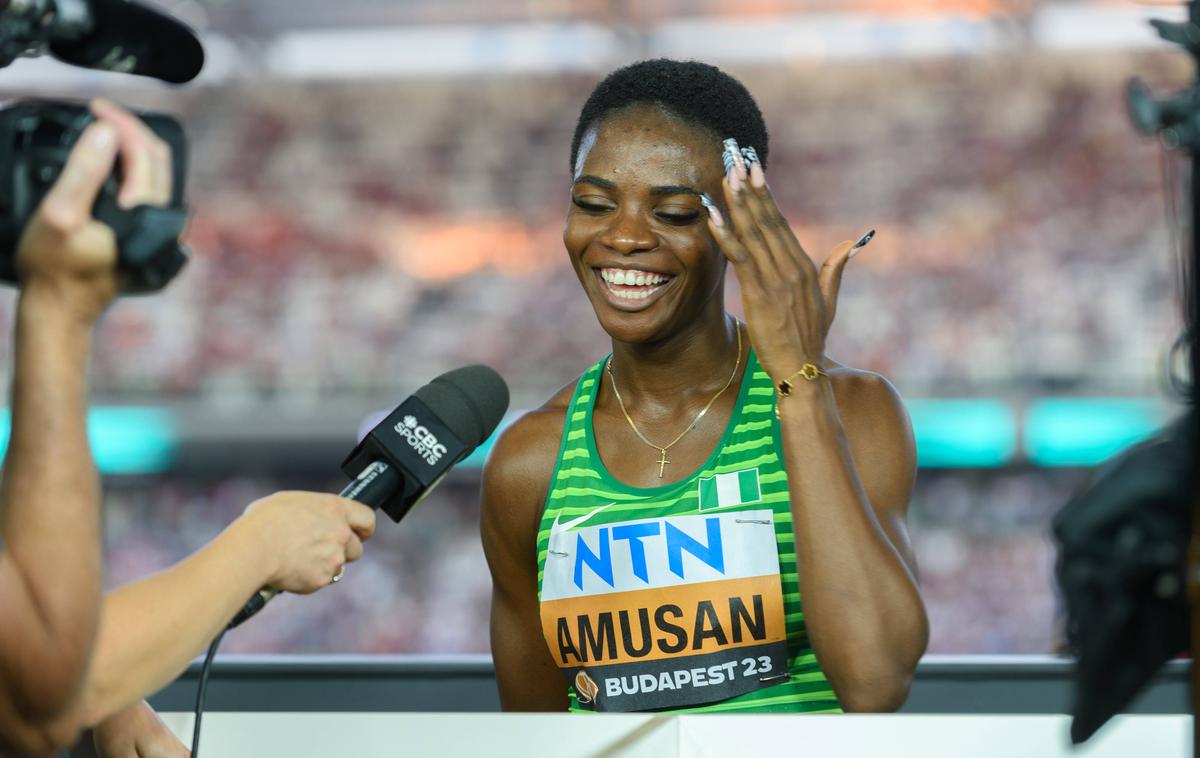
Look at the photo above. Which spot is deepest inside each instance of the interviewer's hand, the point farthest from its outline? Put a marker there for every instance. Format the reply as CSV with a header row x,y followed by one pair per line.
x,y
137,732
64,254
307,537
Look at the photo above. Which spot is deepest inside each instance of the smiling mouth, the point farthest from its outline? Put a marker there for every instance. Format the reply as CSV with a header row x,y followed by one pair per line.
x,y
629,286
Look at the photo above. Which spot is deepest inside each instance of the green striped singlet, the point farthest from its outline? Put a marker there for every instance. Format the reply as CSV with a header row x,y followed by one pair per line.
x,y
682,597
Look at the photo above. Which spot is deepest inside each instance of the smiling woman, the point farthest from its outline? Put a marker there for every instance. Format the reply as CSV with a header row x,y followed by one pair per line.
x,y
713,516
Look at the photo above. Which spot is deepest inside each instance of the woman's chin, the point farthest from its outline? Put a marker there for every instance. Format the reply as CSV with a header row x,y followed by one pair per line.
x,y
649,325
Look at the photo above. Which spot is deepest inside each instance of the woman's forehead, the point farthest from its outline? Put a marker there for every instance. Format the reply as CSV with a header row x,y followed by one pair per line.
x,y
646,141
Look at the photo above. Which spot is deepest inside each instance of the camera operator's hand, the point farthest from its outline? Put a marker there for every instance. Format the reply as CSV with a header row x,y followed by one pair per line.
x,y
137,732
308,537
64,254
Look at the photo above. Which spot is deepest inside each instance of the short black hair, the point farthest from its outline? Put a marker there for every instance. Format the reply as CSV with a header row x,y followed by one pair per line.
x,y
695,92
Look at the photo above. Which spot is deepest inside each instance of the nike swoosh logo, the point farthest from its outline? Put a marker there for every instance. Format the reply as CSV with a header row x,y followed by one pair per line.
x,y
557,528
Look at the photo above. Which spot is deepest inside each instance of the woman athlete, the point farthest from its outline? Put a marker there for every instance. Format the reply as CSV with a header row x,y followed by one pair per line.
x,y
652,528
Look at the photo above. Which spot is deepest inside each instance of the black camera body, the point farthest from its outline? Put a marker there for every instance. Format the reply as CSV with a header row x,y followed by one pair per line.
x,y
30,27
36,137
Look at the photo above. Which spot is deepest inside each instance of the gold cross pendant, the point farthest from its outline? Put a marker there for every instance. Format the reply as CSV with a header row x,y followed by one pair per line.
x,y
662,463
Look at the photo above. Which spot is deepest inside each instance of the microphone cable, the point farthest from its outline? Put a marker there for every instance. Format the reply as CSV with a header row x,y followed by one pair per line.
x,y
201,689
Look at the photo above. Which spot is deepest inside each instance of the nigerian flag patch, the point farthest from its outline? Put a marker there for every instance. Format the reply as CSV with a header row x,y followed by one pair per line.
x,y
734,488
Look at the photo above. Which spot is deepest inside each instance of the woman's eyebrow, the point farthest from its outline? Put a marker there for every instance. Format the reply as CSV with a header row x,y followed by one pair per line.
x,y
674,189
601,183
666,189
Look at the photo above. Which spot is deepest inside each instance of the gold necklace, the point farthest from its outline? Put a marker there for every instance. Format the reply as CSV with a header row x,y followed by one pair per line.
x,y
662,461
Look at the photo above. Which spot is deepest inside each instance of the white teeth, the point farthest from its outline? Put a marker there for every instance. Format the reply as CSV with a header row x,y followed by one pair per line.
x,y
631,278
635,295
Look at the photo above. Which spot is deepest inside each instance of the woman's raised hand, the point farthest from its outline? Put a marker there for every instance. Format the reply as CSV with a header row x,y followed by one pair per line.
x,y
789,302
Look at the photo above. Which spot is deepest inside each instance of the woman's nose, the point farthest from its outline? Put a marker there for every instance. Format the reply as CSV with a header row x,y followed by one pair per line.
x,y
629,234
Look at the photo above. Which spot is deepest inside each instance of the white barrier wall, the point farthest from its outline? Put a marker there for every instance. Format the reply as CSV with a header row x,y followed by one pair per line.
x,y
448,735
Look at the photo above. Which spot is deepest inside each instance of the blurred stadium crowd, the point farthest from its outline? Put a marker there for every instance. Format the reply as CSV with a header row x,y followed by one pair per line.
x,y
355,239
980,539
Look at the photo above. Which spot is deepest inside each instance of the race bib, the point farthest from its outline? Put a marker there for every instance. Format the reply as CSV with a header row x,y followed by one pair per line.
x,y
665,612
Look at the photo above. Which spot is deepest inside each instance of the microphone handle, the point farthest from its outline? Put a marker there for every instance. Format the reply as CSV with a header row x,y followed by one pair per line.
x,y
255,604
373,486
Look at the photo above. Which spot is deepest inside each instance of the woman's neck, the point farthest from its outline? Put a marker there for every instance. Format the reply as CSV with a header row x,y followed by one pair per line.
x,y
695,361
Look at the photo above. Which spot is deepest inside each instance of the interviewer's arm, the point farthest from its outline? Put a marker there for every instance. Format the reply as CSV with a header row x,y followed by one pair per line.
x,y
151,629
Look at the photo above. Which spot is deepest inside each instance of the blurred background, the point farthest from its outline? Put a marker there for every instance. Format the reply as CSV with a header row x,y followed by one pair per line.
x,y
379,190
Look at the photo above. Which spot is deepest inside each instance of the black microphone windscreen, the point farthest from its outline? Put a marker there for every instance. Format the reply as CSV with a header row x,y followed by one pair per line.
x,y
470,401
130,38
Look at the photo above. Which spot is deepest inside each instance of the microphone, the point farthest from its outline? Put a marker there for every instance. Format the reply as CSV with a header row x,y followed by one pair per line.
x,y
405,456
130,38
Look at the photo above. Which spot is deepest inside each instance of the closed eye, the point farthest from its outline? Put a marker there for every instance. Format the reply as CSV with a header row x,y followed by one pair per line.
x,y
590,207
678,218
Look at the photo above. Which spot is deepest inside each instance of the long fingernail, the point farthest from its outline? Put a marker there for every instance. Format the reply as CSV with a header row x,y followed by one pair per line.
x,y
731,149
713,212
733,159
862,242
757,178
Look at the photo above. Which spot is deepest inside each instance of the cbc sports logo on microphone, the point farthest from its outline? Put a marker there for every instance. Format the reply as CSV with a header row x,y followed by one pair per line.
x,y
421,440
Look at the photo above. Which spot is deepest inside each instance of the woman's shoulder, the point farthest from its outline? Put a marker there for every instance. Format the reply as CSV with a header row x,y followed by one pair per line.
x,y
525,452
858,384
871,408
516,478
